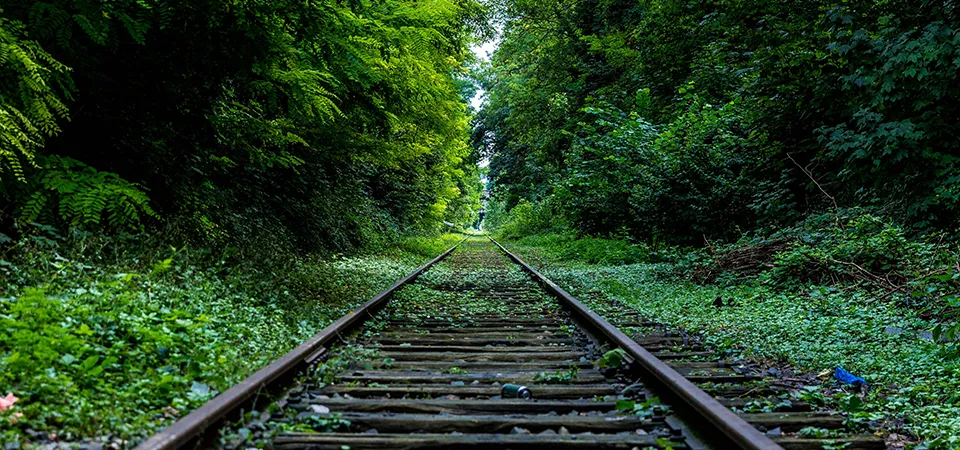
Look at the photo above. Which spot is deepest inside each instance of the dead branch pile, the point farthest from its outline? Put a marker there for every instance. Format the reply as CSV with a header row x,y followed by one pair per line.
x,y
744,261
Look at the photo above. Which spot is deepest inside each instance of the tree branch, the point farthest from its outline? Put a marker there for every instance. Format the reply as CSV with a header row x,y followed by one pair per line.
x,y
814,180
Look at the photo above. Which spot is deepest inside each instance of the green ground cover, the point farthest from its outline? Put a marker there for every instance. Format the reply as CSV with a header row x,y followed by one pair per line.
x,y
781,316
98,340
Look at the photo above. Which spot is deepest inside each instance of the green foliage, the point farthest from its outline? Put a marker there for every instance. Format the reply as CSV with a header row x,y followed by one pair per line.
x,y
68,191
677,181
612,359
674,121
640,409
111,337
902,84
812,319
857,245
429,247
320,125
817,433
754,406
30,102
591,250
525,219
326,424
558,377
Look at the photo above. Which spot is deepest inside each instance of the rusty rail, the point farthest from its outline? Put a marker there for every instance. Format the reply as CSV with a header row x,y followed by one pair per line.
x,y
726,421
190,428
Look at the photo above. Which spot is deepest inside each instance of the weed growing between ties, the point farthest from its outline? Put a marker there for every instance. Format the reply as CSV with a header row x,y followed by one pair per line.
x,y
115,344
465,284
806,308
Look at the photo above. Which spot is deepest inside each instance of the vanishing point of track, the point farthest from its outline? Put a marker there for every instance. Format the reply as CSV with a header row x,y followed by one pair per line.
x,y
454,346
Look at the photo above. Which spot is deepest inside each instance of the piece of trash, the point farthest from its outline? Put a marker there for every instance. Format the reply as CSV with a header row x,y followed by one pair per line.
x,y
846,377
319,409
515,391
8,401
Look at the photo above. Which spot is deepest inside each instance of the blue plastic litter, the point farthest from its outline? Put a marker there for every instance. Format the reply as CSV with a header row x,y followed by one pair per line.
x,y
846,377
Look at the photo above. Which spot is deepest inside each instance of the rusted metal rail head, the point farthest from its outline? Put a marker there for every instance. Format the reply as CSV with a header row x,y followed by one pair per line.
x,y
722,418
191,429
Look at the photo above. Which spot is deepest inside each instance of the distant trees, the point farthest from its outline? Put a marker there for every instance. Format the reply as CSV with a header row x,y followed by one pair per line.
x,y
677,119
310,124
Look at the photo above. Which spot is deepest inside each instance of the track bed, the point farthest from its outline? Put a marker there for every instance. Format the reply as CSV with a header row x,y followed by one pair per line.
x,y
447,345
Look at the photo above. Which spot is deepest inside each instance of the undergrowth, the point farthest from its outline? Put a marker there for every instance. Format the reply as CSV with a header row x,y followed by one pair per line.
x,y
113,338
846,289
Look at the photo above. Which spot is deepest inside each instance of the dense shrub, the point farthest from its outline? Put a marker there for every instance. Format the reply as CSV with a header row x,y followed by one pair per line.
x,y
526,219
857,244
679,181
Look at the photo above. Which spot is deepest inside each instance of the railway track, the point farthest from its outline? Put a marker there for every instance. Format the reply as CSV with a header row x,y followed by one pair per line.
x,y
483,352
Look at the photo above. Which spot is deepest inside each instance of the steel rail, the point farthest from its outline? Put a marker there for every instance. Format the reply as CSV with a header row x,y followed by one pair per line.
x,y
190,428
726,421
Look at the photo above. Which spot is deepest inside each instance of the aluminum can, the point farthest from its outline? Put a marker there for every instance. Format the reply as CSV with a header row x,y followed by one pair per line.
x,y
515,391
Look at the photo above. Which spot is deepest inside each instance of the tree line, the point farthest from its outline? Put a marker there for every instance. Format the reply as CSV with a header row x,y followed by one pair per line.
x,y
674,120
281,124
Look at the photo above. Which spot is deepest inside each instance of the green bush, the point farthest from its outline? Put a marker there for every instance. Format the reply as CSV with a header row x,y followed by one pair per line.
x,y
855,244
605,251
527,219
317,126
683,119
677,181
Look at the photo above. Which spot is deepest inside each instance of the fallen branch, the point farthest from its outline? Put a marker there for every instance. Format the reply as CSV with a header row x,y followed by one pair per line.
x,y
814,180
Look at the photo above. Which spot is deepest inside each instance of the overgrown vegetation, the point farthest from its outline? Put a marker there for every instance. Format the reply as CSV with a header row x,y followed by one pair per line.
x,y
792,158
283,126
247,146
103,337
671,120
858,293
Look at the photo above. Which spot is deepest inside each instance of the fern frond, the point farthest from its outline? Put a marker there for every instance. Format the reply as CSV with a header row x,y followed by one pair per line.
x,y
84,197
29,107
